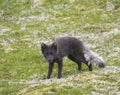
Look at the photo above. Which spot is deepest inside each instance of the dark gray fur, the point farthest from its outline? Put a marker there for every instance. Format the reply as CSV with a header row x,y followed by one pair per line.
x,y
74,49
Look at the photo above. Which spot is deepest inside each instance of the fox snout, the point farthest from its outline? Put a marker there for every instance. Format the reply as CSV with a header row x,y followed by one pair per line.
x,y
50,60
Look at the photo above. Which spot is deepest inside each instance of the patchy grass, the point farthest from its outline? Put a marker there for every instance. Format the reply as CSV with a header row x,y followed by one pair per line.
x,y
24,24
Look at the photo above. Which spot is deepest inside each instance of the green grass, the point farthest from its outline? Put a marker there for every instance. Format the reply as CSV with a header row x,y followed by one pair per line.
x,y
24,24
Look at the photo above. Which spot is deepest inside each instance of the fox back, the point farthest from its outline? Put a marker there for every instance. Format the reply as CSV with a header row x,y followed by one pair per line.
x,y
63,46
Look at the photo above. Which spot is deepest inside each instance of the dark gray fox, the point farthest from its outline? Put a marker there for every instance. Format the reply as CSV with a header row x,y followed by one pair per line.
x,y
74,49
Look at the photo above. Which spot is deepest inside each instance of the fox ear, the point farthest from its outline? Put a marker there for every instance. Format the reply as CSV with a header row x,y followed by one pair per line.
x,y
54,45
43,46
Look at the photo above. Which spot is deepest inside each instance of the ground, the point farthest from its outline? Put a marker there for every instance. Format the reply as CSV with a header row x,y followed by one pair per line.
x,y
25,24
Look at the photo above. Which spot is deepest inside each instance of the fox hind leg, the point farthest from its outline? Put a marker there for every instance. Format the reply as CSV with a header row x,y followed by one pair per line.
x,y
76,61
89,65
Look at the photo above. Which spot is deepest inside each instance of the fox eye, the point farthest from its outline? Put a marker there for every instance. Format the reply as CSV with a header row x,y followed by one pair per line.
x,y
47,53
51,53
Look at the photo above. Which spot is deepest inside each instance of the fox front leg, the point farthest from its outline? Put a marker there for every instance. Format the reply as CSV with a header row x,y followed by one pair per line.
x,y
50,70
60,65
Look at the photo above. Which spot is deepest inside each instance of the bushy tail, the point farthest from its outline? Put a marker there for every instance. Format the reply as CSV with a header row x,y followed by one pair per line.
x,y
94,58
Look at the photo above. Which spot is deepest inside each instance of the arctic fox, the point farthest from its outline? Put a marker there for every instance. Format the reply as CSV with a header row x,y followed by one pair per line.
x,y
74,49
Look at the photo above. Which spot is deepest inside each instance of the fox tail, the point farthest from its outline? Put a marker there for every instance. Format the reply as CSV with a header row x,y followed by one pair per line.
x,y
94,58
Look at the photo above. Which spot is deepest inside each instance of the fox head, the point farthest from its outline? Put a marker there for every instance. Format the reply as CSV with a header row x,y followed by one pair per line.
x,y
49,51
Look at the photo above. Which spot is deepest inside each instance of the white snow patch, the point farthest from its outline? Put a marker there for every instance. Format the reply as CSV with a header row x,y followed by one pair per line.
x,y
114,31
110,6
109,70
114,93
4,30
117,49
23,27
41,17
33,18
36,3
101,86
